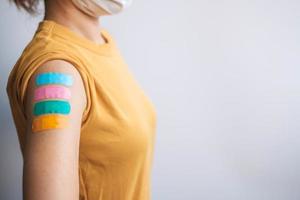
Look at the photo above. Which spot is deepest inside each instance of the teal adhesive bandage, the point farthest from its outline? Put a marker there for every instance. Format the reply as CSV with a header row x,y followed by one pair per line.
x,y
51,106
53,78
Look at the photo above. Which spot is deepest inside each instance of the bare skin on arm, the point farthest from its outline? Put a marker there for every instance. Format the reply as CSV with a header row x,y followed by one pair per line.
x,y
55,100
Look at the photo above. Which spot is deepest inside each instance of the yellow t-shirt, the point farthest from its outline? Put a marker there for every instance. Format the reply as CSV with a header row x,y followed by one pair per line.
x,y
119,121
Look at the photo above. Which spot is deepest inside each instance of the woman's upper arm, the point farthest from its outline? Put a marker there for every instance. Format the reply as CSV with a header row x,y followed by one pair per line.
x,y
55,100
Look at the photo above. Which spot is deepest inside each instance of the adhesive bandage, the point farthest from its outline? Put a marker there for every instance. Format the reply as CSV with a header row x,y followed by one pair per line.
x,y
52,92
52,121
51,101
53,78
51,106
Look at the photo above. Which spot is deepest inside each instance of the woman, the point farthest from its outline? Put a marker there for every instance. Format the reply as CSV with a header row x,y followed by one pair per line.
x,y
86,128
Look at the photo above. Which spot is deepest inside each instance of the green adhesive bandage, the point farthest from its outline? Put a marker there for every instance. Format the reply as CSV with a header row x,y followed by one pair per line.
x,y
51,106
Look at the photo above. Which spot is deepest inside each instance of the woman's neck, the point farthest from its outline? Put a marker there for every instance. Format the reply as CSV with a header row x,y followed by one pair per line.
x,y
65,13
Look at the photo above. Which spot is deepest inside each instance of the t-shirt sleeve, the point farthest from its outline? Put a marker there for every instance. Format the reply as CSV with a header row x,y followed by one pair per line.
x,y
31,65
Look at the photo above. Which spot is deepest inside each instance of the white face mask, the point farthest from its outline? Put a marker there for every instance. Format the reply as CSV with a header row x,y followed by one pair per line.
x,y
96,7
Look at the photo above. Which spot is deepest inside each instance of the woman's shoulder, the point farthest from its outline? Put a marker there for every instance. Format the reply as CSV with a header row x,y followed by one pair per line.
x,y
43,44
44,47
37,53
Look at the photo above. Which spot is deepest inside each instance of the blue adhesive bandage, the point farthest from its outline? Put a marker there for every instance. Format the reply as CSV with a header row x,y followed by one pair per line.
x,y
53,78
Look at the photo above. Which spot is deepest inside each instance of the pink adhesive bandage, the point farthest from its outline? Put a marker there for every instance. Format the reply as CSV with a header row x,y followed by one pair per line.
x,y
52,92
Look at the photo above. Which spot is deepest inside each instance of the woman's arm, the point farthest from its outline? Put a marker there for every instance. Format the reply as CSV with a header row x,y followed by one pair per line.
x,y
51,156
